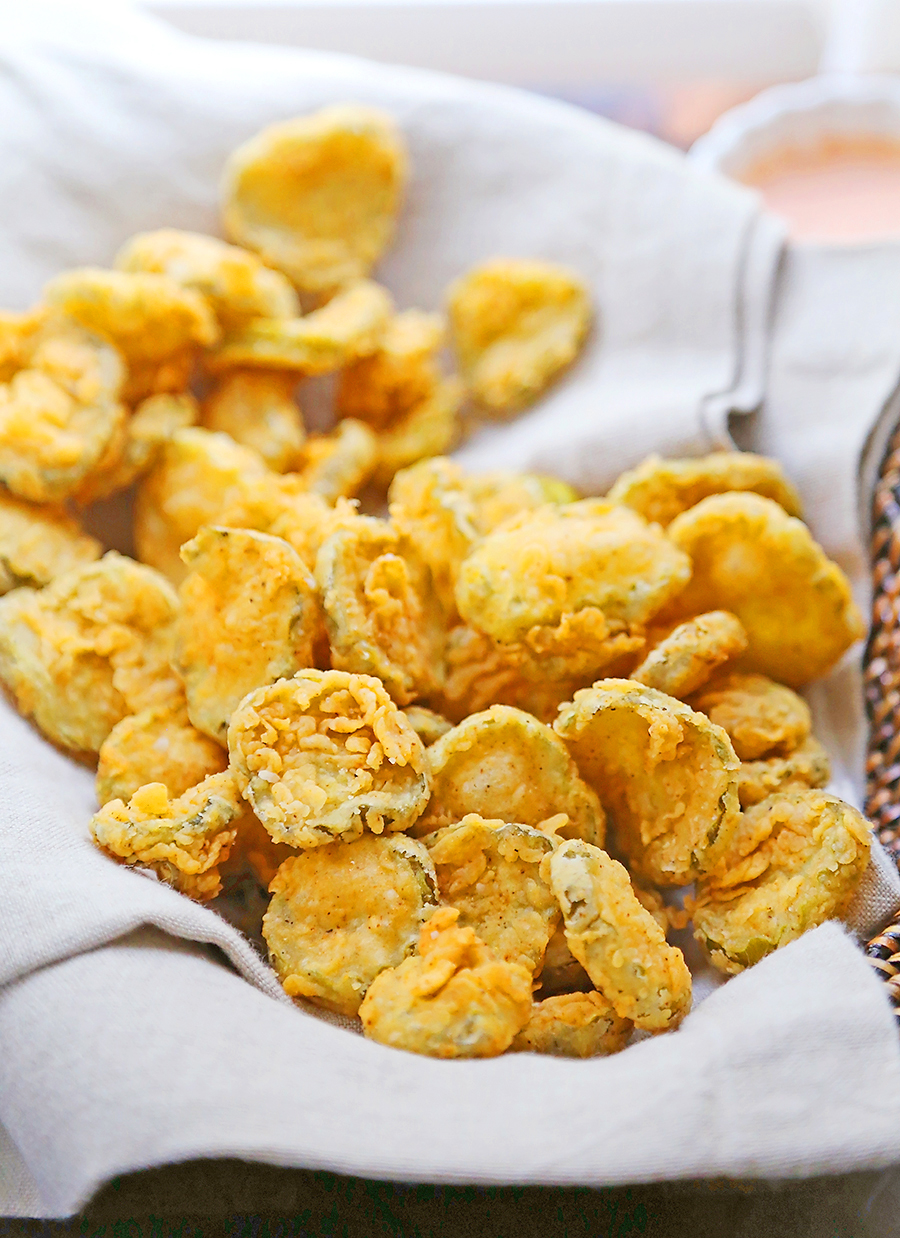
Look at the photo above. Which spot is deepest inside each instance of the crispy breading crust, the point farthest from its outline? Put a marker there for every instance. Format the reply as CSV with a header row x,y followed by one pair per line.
x,y
343,913
617,941
685,658
749,557
666,775
797,862
250,614
453,999
326,754
503,763
573,1025
490,871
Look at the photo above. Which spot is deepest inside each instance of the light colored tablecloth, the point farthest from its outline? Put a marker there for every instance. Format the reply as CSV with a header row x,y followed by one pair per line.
x,y
124,1042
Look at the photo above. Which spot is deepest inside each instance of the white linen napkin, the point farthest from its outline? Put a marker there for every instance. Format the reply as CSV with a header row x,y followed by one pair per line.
x,y
124,1040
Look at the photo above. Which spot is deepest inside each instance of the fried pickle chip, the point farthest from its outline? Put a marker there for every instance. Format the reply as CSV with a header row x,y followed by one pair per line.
x,y
257,408
561,973
537,674
797,862
429,429
503,763
762,718
317,196
148,317
444,512
249,615
339,464
282,506
350,326
617,941
380,612
326,754
343,913
427,724
452,999
687,656
183,839
38,543
665,774
198,474
402,374
751,558
490,872
539,566
60,409
236,283
143,437
662,489
88,649
573,1025
516,324
806,766
158,744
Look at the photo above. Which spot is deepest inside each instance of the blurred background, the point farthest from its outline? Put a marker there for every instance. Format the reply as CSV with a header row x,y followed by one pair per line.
x,y
669,67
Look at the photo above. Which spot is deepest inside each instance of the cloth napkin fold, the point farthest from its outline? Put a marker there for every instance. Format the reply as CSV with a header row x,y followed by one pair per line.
x,y
125,1040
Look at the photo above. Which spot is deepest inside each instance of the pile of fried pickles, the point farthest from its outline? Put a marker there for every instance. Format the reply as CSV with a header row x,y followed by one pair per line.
x,y
468,743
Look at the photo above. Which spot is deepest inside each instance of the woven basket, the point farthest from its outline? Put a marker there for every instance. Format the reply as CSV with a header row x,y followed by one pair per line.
x,y
881,671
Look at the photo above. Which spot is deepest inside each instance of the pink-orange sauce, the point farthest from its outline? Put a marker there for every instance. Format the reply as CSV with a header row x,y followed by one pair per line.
x,y
844,189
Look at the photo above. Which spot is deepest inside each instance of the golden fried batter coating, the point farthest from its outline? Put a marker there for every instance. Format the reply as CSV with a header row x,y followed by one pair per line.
x,y
249,615
618,941
148,317
762,718
350,326
380,611
490,871
445,512
343,913
90,648
687,656
516,324
339,464
453,999
236,283
257,408
158,744
38,543
282,506
536,674
796,863
184,839
138,448
60,411
383,388
503,763
326,754
428,725
573,1025
317,196
429,505
806,766
665,774
661,489
198,474
752,559
556,560
429,429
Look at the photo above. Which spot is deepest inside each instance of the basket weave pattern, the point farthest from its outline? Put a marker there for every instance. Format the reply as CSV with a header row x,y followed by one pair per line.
x,y
881,673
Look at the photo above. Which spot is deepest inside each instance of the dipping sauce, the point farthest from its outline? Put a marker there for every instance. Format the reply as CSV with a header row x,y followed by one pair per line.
x,y
843,189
